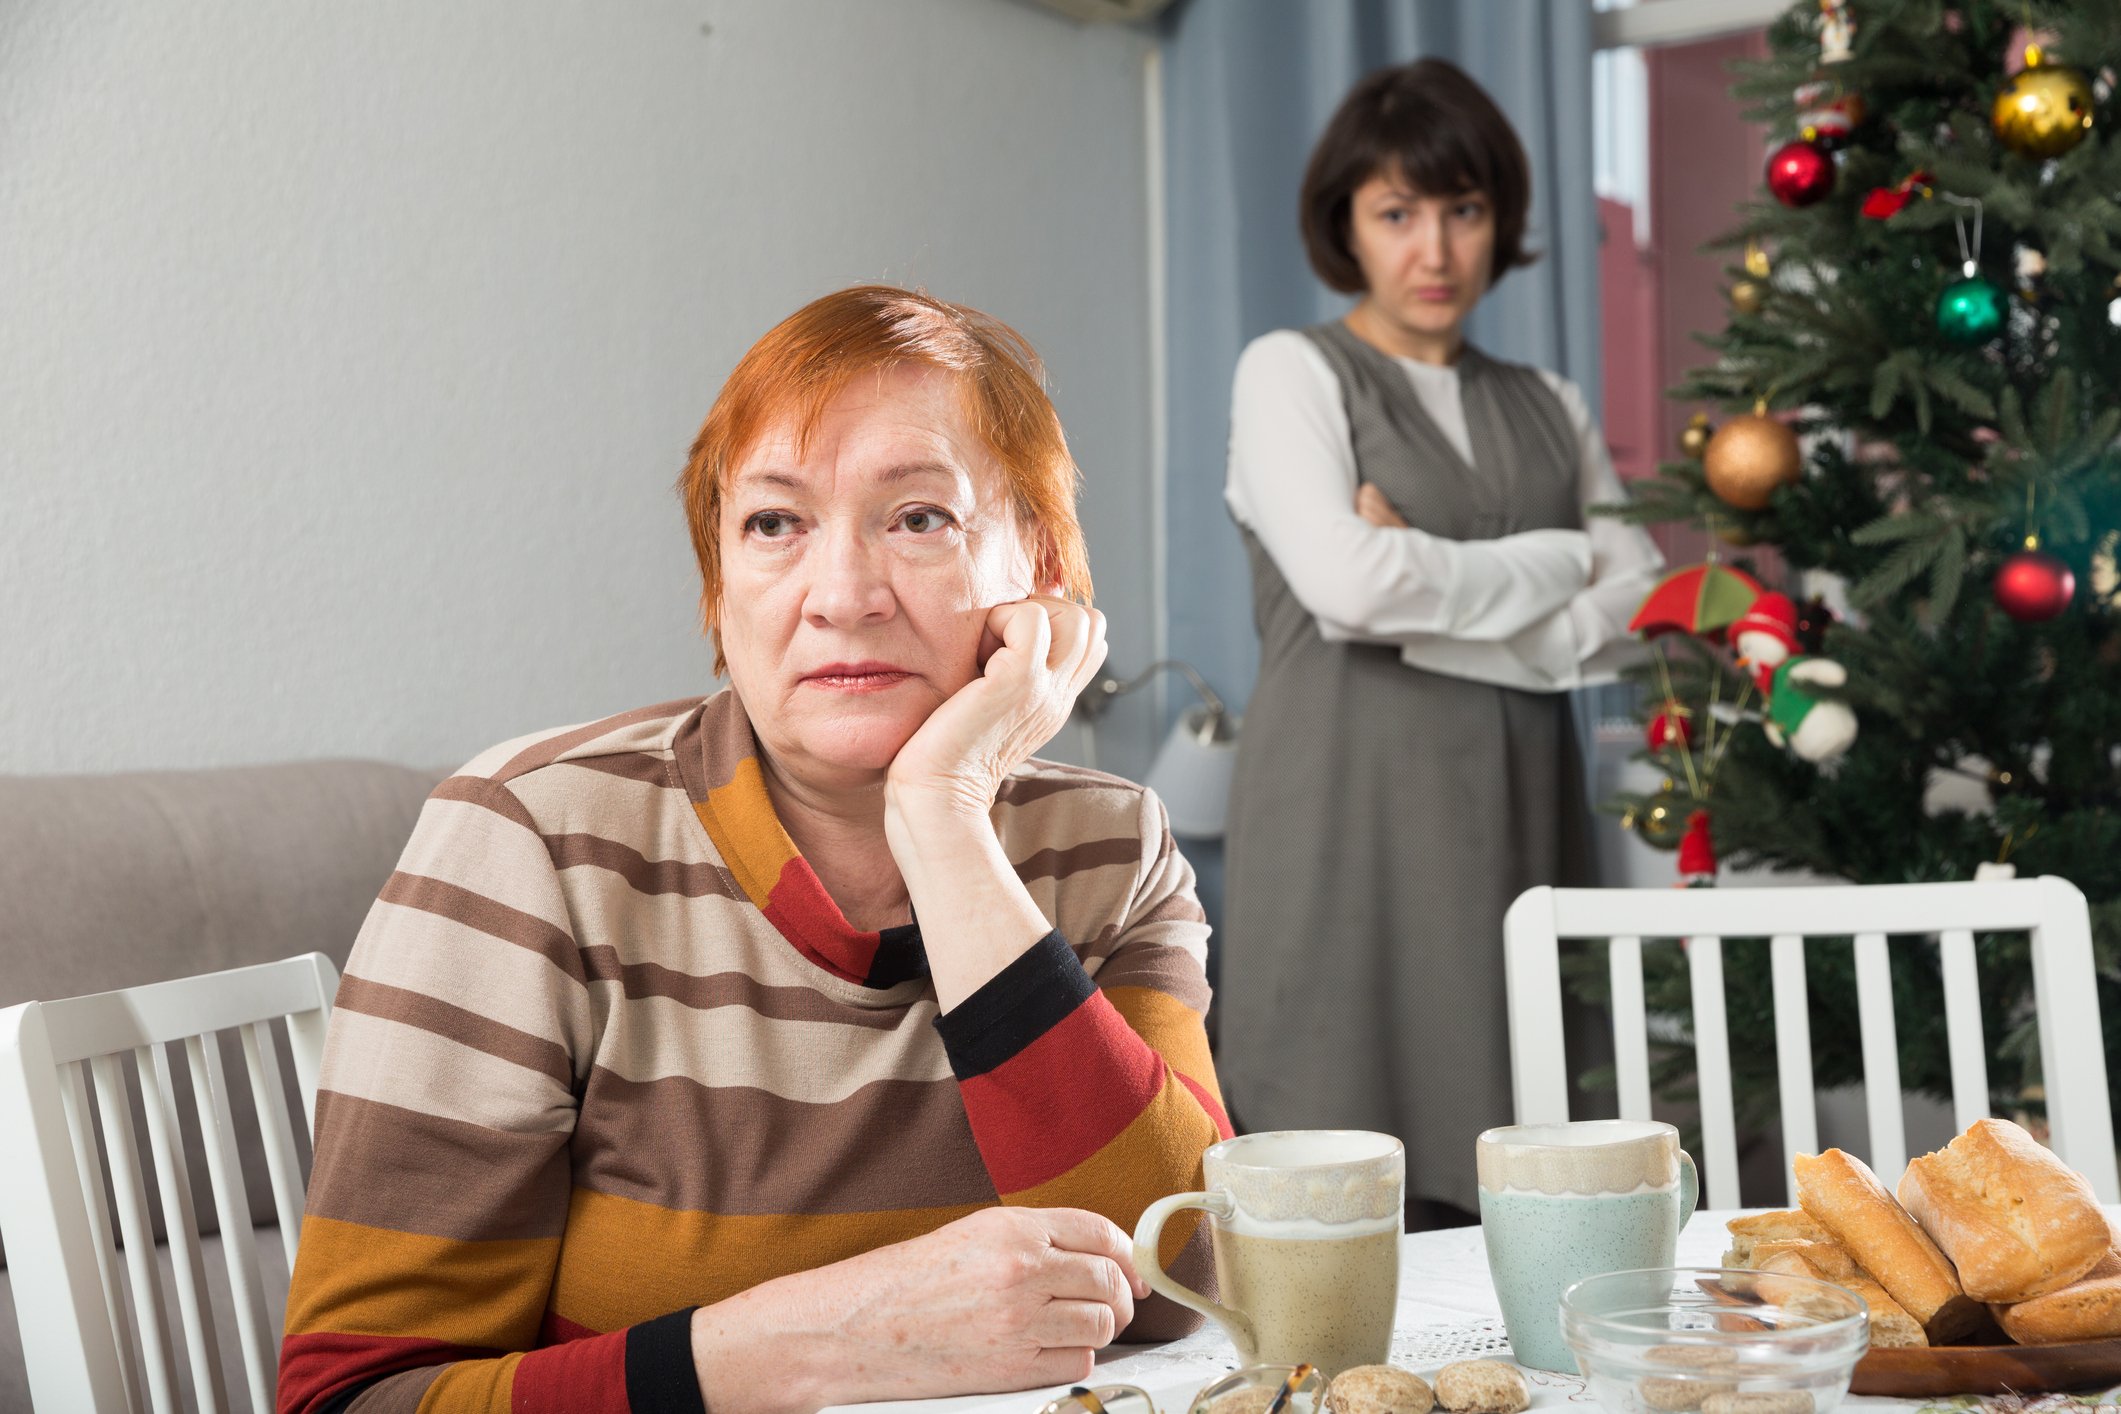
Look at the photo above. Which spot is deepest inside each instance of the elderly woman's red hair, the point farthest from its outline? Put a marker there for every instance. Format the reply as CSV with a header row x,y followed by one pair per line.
x,y
804,361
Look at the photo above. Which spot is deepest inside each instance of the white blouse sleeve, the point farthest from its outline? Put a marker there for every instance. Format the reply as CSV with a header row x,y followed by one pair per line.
x,y
1587,640
1292,483
1625,561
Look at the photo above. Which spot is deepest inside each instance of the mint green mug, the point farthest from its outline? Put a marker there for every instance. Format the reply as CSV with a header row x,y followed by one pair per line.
x,y
1561,1202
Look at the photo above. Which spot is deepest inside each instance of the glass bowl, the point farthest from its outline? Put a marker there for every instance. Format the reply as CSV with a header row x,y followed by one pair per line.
x,y
1677,1339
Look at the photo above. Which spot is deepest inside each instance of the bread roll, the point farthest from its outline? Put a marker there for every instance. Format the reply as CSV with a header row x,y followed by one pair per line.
x,y
1891,1326
2015,1220
2087,1309
1831,1258
1781,1225
1847,1199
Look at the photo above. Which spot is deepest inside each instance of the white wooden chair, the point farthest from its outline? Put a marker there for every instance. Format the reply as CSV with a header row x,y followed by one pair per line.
x,y
2050,910
78,1326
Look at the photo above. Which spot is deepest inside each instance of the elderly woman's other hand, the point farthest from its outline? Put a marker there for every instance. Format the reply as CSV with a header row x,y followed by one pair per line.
x,y
1037,655
1004,1299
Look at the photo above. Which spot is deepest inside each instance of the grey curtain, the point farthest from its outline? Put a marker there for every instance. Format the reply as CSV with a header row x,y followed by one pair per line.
x,y
1248,85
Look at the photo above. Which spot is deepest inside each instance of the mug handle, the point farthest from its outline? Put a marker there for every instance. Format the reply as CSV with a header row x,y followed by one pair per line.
x,y
1148,1233
1689,1187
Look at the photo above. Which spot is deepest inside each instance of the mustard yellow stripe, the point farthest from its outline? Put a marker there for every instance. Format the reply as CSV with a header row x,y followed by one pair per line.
x,y
740,820
471,1384
1172,1028
700,1258
1158,1154
353,1279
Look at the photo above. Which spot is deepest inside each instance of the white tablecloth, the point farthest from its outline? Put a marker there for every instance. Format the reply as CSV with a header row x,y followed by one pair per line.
x,y
1447,1311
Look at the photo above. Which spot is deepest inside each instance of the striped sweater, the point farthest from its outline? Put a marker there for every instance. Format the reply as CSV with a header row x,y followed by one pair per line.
x,y
606,1051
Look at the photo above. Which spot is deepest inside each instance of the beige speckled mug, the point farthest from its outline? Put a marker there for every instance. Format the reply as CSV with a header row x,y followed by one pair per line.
x,y
1305,1225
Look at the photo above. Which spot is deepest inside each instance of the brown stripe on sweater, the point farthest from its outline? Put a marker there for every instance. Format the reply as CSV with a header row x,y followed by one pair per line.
x,y
479,790
1162,969
648,876
448,1179
739,1151
650,768
552,748
1172,908
398,1394
651,979
1092,854
481,1033
1023,790
496,920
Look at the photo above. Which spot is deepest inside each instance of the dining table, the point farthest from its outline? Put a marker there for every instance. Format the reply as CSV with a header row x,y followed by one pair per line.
x,y
1447,1311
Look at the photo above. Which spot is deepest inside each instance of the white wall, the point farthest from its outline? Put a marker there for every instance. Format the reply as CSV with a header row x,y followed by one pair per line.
x,y
348,352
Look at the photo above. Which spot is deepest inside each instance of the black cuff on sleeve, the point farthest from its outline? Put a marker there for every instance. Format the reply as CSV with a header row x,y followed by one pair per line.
x,y
659,1374
1019,1004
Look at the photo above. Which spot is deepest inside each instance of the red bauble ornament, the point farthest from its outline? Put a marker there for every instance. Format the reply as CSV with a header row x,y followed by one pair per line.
x,y
1799,173
2033,586
1672,726
1697,852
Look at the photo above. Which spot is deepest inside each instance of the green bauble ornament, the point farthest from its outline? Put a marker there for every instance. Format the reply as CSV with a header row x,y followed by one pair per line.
x,y
1971,309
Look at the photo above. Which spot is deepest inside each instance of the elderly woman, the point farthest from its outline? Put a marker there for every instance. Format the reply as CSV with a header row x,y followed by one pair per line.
x,y
1428,583
810,1043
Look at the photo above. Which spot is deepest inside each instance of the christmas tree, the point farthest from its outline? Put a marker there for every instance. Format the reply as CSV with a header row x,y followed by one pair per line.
x,y
1919,391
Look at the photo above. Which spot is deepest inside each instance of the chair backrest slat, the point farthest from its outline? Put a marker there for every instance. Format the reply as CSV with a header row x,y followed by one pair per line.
x,y
1631,1032
1793,1055
80,1351
2051,911
1881,1059
180,1224
283,1166
239,1245
1712,1069
80,1127
2078,1117
1962,1022
129,1189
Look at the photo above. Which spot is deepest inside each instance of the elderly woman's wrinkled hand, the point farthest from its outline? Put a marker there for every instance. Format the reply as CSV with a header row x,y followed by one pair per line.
x,y
1038,653
1002,1299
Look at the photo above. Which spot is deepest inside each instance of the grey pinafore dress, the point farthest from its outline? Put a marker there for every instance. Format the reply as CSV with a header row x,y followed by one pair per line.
x,y
1383,818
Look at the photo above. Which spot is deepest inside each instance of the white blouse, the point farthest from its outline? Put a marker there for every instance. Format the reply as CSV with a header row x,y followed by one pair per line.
x,y
1542,610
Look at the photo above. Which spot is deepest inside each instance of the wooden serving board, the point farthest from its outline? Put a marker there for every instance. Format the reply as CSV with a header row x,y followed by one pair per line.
x,y
1989,1369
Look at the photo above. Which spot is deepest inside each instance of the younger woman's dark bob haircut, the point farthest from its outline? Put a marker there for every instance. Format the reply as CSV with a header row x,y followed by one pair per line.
x,y
1428,123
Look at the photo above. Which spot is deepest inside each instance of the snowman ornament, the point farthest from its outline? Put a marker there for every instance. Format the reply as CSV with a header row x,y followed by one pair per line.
x,y
1818,730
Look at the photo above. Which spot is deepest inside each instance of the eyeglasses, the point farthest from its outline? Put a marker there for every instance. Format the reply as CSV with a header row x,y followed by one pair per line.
x,y
1105,1399
1257,1389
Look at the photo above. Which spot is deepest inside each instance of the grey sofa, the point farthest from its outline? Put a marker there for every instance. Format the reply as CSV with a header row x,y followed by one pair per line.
x,y
110,881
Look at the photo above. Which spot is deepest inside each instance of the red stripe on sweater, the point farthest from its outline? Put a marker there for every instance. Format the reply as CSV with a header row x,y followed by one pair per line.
x,y
556,1329
1063,1097
316,1366
806,915
1207,1102
586,1376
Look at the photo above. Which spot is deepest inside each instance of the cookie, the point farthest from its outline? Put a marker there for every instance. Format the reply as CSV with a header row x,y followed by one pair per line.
x,y
1490,1387
1780,1401
1379,1389
1677,1392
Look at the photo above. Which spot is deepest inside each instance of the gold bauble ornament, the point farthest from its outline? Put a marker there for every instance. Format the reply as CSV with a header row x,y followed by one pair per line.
x,y
1749,457
2045,109
1756,260
1662,821
1747,296
1694,437
1731,533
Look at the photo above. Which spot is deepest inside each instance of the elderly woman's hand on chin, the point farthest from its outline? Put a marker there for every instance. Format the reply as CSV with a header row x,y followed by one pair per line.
x,y
976,916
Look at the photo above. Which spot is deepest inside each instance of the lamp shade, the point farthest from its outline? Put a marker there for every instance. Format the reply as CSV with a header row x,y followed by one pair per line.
x,y
1192,773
